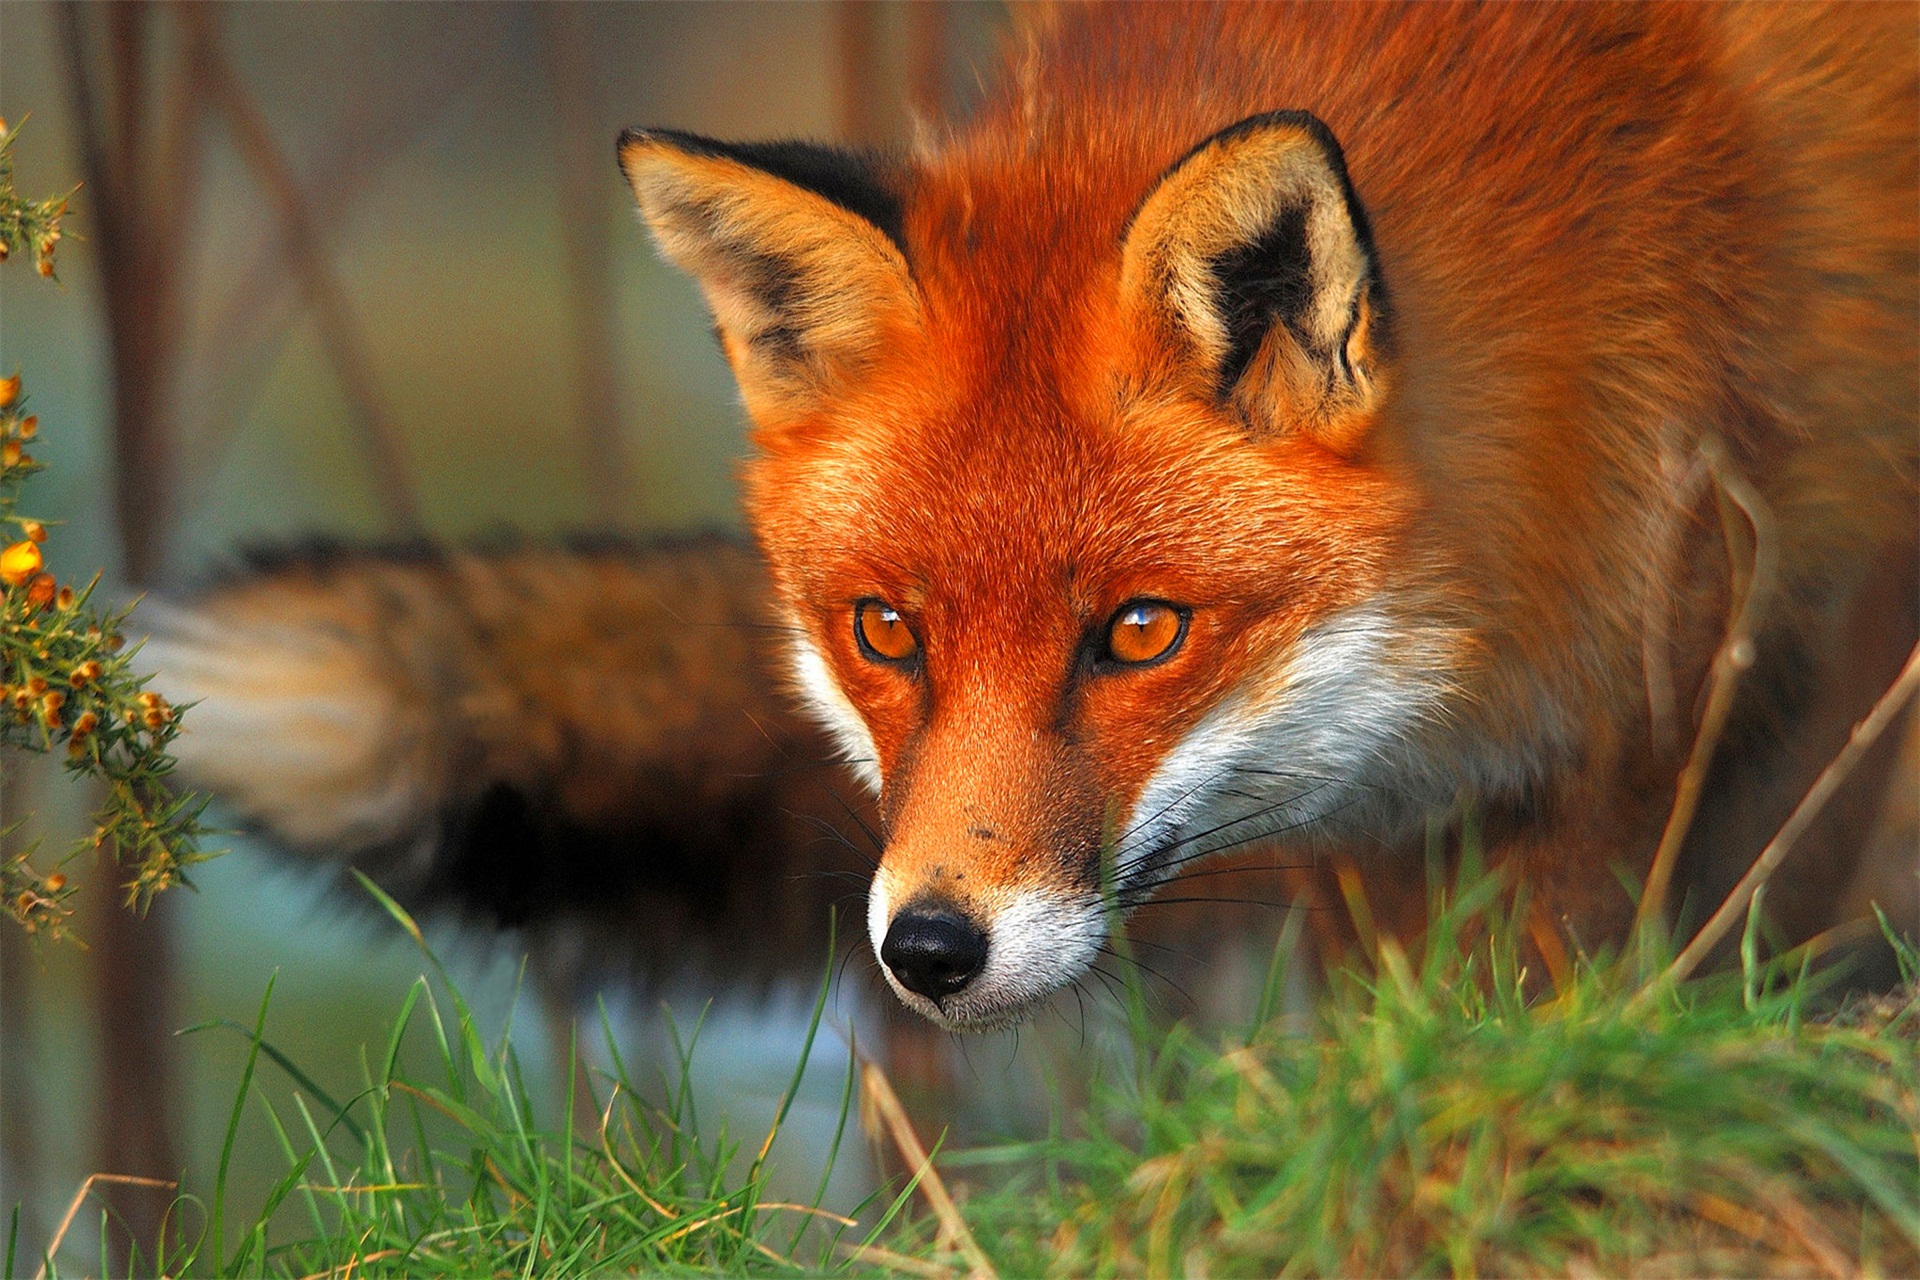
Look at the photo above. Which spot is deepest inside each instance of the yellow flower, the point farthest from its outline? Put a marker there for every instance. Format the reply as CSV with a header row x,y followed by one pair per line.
x,y
9,390
19,562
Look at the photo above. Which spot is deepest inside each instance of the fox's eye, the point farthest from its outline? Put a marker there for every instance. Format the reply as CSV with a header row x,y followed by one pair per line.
x,y
883,634
1145,631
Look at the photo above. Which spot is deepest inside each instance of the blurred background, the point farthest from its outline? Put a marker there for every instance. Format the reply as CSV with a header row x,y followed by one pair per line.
x,y
366,271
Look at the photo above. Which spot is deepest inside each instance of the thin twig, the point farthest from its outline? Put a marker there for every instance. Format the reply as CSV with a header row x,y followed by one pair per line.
x,y
1847,931
237,348
857,37
1687,480
1858,742
332,312
585,231
810,1210
897,1261
880,1095
928,35
80,1198
1802,1227
1731,661
140,293
346,1268
139,285
180,149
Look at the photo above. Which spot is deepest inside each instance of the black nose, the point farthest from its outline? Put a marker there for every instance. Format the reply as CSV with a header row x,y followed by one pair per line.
x,y
934,953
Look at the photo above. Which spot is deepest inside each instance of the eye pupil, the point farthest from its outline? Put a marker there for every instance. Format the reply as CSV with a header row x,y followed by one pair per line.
x,y
1144,632
883,633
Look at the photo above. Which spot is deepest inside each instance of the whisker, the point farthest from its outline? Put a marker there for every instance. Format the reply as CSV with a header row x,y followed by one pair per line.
x,y
1149,970
828,831
1121,839
1294,775
1166,870
1125,868
1155,900
789,769
1175,952
1245,868
855,877
873,837
1080,999
1113,985
840,974
1296,798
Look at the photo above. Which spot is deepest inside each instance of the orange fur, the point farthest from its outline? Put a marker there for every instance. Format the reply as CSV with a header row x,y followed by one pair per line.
x,y
1603,234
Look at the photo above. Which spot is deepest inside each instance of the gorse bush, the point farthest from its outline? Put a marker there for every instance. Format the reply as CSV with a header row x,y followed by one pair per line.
x,y
65,679
27,226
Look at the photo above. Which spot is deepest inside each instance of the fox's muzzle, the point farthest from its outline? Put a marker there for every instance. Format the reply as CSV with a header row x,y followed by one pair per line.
x,y
984,962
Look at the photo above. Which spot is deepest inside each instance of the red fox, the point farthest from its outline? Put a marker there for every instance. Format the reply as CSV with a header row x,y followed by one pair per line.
x,y
1281,421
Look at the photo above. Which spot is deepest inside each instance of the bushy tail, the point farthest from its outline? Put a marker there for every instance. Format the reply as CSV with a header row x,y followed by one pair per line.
x,y
588,735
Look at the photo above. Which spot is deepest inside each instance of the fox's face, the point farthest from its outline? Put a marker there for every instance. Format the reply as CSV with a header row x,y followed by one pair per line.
x,y
1079,526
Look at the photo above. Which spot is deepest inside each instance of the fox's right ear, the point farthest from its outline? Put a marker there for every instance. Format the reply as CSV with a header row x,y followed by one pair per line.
x,y
1253,257
797,247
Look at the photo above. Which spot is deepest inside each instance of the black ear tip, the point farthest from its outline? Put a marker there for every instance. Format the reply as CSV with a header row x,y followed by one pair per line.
x,y
656,136
630,141
1298,121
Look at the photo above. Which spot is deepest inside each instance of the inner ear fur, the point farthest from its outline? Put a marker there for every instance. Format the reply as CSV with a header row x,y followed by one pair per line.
x,y
796,246
1253,257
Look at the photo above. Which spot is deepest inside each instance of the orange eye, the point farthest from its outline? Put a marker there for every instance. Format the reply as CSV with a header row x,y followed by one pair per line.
x,y
883,633
1145,631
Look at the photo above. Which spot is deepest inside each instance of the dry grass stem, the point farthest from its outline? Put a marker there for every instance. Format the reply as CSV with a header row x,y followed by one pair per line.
x,y
897,1261
346,1270
80,1198
1730,662
879,1094
1863,737
1806,1232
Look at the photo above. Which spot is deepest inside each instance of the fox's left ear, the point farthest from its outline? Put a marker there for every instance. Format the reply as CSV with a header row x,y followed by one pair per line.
x,y
1253,256
797,246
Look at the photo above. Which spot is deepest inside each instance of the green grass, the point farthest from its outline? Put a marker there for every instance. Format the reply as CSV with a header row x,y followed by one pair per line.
x,y
1444,1118
1445,1114
452,1175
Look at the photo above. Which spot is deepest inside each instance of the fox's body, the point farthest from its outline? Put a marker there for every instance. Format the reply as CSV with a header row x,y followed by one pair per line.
x,y
1408,442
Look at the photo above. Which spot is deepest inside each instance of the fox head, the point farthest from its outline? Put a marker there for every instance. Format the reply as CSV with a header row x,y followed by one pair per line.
x,y
1071,487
